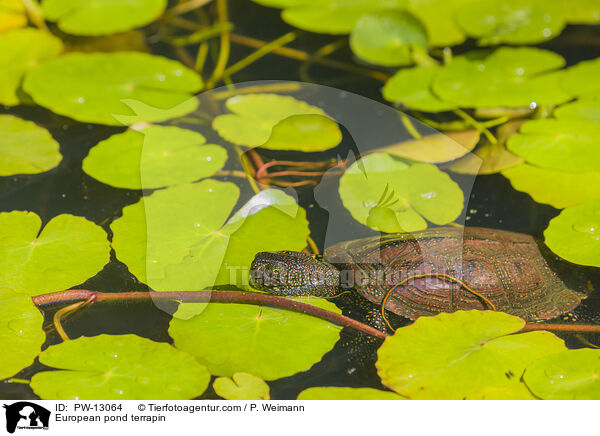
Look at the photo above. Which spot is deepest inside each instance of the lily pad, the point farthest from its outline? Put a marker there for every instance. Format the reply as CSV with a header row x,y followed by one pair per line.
x,y
511,21
570,375
440,147
392,195
241,386
473,350
26,148
412,88
21,333
508,77
438,16
513,391
588,110
21,50
153,157
258,117
582,11
12,15
559,189
335,393
125,367
179,238
34,260
269,343
581,79
574,235
101,17
387,38
569,145
90,87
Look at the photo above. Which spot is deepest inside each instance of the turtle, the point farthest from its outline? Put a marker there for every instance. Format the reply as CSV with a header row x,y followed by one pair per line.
x,y
423,273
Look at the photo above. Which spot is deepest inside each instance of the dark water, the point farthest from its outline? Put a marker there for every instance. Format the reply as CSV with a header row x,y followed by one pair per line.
x,y
66,189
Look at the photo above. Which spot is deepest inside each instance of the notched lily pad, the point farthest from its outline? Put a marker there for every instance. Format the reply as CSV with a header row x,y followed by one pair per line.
x,y
392,195
91,87
473,350
269,343
26,148
125,367
65,252
241,386
335,393
574,235
153,157
21,333
101,17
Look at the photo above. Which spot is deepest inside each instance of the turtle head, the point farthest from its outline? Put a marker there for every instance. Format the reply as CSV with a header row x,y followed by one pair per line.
x,y
293,273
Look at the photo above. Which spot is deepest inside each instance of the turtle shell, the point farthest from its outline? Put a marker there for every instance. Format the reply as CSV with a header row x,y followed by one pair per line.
x,y
506,268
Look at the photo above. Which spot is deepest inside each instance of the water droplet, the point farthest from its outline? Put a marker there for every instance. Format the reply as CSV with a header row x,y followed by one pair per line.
x,y
174,388
64,195
178,73
196,224
590,227
369,204
532,105
208,158
80,100
118,391
547,32
160,77
429,195
480,67
210,190
111,355
17,326
520,71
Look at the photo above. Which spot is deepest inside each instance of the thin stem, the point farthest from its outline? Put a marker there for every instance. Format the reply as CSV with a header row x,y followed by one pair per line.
x,y
224,46
18,380
247,169
476,124
312,245
35,14
60,314
201,35
231,173
410,126
188,6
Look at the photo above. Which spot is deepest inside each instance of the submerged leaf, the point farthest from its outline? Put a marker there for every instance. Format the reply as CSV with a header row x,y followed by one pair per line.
x,y
26,148
65,253
270,343
241,386
473,350
153,157
574,235
307,132
334,393
91,87
21,332
125,367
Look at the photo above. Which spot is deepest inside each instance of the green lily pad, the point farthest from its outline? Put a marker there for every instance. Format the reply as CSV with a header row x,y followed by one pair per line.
x,y
473,350
274,121
179,238
440,147
270,343
124,367
66,252
12,15
153,157
570,145
582,11
21,333
90,87
335,393
588,110
559,189
511,21
513,391
243,387
570,375
582,79
21,50
438,16
26,148
574,235
387,38
391,195
412,88
101,17
508,77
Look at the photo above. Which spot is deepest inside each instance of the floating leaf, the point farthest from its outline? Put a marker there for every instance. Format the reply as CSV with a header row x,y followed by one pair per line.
x,y
440,147
581,11
21,333
21,50
26,148
153,157
258,117
588,110
412,88
438,17
12,15
178,238
90,87
101,17
473,350
65,253
570,375
125,367
559,189
512,391
387,38
334,393
570,145
270,343
243,387
511,21
509,77
574,235
391,195
582,79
